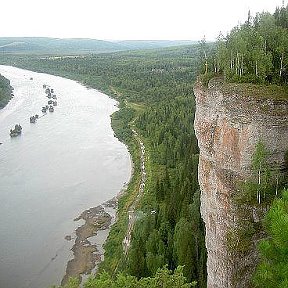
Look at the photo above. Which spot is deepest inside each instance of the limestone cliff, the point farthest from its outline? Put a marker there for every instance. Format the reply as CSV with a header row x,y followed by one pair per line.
x,y
228,125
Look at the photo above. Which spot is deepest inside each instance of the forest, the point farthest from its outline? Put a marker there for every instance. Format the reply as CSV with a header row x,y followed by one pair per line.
x,y
155,91
254,52
5,91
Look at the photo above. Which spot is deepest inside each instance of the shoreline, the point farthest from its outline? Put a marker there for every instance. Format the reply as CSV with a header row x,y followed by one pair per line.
x,y
86,256
6,95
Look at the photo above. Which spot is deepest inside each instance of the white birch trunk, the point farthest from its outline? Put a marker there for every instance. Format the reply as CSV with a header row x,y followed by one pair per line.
x,y
281,65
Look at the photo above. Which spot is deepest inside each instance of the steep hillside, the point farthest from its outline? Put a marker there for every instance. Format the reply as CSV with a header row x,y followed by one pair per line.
x,y
229,126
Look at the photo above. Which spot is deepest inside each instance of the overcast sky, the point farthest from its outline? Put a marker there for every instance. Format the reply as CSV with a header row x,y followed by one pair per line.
x,y
127,19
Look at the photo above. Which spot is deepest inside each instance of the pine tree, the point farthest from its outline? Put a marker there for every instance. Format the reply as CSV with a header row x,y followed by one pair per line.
x,y
272,271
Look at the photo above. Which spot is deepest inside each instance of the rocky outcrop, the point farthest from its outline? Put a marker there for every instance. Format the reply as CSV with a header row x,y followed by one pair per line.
x,y
228,126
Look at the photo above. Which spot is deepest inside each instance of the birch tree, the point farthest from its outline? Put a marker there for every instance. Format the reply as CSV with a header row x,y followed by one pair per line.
x,y
259,164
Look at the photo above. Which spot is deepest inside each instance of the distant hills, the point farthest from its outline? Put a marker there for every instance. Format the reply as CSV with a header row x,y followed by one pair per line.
x,y
43,45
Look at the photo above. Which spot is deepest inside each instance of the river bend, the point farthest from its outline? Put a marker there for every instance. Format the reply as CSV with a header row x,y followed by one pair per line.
x,y
65,163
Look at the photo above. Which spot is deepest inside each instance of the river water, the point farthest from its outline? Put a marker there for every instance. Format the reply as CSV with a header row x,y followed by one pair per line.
x,y
65,163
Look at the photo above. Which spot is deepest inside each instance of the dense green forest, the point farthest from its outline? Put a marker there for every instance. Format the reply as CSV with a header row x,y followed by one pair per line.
x,y
155,90
163,278
256,51
144,76
5,91
173,234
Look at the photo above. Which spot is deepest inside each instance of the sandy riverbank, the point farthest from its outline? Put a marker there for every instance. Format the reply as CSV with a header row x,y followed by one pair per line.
x,y
86,255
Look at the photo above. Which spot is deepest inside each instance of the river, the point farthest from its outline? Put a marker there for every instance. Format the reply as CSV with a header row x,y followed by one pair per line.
x,y
65,163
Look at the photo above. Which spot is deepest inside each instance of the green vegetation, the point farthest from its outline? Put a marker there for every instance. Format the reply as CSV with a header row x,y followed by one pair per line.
x,y
258,91
170,229
256,51
114,257
272,270
252,200
5,91
145,76
155,91
265,183
163,278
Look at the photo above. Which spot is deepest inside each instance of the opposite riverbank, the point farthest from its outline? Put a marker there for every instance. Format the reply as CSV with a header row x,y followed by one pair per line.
x,y
6,91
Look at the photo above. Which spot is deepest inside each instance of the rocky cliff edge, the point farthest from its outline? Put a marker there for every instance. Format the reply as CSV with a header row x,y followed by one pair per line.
x,y
228,126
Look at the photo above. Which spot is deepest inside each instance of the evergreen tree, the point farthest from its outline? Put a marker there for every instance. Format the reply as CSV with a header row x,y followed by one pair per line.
x,y
256,51
272,270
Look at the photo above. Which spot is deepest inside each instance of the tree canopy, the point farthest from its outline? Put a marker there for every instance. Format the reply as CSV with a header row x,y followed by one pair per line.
x,y
157,87
5,91
272,270
164,278
256,51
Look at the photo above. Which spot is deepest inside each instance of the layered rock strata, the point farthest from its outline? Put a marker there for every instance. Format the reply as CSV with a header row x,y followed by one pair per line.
x,y
228,126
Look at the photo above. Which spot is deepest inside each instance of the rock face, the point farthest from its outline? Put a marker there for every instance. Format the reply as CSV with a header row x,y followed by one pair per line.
x,y
228,126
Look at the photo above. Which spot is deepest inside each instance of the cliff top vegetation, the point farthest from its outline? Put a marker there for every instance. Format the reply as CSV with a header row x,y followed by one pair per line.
x,y
259,91
255,52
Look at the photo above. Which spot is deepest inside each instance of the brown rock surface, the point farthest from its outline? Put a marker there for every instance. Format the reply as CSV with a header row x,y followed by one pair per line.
x,y
228,126
85,254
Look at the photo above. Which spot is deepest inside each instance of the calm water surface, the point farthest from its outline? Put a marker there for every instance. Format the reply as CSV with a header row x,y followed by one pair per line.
x,y
65,163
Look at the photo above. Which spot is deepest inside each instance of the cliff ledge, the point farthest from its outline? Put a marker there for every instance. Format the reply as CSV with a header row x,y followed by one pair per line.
x,y
228,126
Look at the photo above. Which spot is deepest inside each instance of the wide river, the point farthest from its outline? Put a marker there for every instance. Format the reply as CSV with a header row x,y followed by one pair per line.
x,y
65,163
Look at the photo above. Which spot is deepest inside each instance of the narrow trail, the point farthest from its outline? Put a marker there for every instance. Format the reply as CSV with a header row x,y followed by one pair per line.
x,y
131,212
